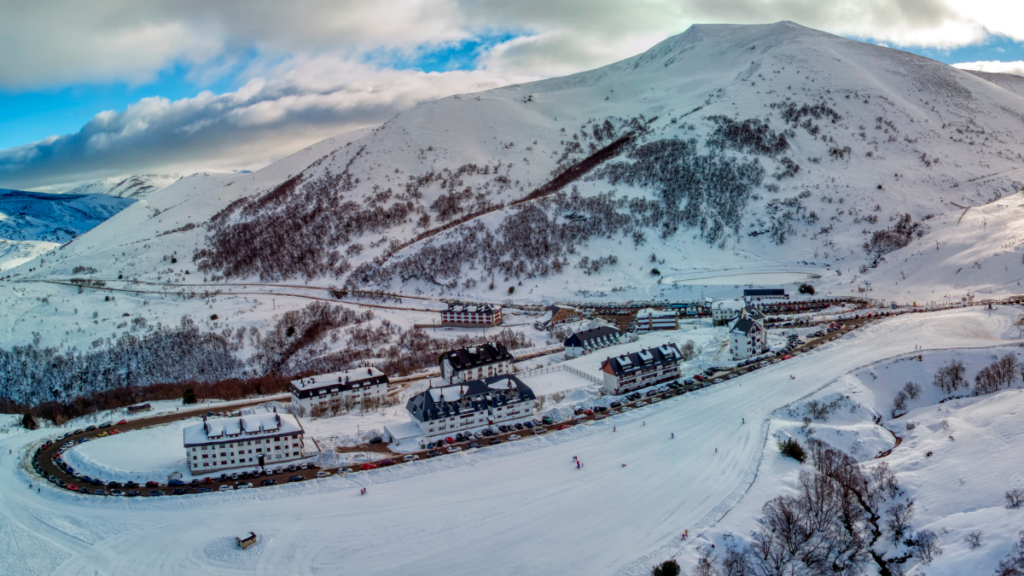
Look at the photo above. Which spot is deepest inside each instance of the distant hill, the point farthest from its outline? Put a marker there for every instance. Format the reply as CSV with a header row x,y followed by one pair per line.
x,y
134,187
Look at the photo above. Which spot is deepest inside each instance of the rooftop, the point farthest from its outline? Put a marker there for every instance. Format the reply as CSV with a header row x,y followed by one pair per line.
x,y
226,429
343,377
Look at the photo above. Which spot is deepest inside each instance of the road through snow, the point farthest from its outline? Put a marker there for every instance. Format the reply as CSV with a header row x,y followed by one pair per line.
x,y
518,508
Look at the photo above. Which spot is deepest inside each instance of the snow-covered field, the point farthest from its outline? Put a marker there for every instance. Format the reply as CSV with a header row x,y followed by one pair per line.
x,y
500,501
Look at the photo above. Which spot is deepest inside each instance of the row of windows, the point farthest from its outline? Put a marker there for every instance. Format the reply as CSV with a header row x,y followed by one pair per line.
x,y
278,440
242,460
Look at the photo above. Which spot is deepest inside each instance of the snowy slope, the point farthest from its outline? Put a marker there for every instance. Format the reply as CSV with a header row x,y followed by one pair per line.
x,y
519,508
913,127
135,187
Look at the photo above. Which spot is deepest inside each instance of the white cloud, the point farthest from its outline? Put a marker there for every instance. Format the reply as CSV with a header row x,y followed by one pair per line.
x,y
995,66
265,119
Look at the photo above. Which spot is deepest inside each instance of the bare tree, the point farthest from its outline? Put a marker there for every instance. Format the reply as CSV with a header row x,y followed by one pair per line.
x,y
1013,564
706,563
926,546
913,390
1014,498
688,351
987,380
897,520
952,377
899,403
973,539
1007,368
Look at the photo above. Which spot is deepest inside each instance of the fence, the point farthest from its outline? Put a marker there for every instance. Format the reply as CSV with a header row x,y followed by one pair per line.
x,y
560,368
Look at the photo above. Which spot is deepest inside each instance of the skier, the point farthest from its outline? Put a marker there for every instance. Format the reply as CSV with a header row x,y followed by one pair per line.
x,y
645,423
743,420
716,450
673,435
613,428
623,465
577,465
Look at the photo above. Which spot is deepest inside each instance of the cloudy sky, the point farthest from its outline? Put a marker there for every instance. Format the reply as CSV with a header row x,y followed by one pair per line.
x,y
116,87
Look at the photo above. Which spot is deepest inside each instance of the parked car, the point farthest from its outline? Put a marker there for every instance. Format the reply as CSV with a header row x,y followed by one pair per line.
x,y
564,426
296,478
175,482
132,493
269,482
72,487
368,466
387,462
202,490
90,428
494,441
528,425
410,457
514,437
243,486
152,484
122,422
179,491
116,493
376,440
454,449
106,424
548,420
433,454
474,445
154,493
616,404
225,487
539,430
322,474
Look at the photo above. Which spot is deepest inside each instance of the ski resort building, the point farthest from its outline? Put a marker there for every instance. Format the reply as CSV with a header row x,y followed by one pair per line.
x,y
649,320
651,367
475,362
471,316
471,406
764,295
245,442
726,310
587,341
747,334
557,315
329,393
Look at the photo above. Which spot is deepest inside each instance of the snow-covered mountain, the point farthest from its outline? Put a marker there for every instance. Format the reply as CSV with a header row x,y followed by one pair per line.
x,y
135,187
726,155
722,147
32,223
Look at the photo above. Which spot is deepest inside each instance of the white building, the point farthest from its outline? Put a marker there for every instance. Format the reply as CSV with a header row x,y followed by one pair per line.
x,y
471,406
651,367
725,311
747,335
649,320
471,316
358,388
244,442
476,362
587,341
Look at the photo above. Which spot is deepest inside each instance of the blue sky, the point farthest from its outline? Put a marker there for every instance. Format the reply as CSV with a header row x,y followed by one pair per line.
x,y
190,85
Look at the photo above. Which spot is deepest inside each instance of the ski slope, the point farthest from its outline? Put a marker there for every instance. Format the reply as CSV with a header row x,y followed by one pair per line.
x,y
519,508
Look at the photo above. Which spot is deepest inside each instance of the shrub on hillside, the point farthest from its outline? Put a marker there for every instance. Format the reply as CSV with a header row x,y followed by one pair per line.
x,y
790,447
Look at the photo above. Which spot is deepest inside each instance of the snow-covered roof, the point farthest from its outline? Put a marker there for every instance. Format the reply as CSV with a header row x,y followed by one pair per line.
x,y
580,338
351,377
619,365
253,426
729,305
651,312
469,396
402,430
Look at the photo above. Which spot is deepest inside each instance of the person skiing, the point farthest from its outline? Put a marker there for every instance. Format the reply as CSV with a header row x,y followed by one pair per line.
x,y
613,428
673,435
645,423
577,464
743,420
623,465
716,450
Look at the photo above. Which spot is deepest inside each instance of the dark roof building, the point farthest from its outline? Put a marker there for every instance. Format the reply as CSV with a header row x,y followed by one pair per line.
x,y
472,396
758,294
459,365
590,340
636,370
